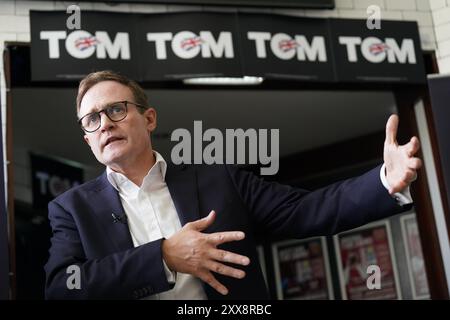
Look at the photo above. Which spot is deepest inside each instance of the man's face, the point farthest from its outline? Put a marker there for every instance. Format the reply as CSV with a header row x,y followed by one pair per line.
x,y
117,143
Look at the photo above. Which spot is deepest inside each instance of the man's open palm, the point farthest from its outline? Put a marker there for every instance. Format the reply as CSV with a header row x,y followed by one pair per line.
x,y
401,164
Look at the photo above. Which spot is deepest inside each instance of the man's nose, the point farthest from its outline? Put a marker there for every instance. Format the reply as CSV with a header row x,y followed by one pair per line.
x,y
105,122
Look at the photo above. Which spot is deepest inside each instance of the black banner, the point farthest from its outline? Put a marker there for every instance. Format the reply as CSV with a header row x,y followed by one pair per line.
x,y
50,178
171,46
391,53
316,4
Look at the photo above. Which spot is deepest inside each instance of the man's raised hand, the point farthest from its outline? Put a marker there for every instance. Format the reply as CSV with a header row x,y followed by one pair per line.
x,y
400,161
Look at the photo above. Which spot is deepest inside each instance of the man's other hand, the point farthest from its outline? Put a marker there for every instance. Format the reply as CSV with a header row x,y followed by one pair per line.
x,y
401,165
193,252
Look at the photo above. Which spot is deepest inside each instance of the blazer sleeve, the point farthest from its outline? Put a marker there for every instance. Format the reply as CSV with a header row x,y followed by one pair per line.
x,y
283,211
130,274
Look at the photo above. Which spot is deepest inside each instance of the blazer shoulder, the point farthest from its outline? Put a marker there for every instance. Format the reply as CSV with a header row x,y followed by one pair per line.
x,y
92,185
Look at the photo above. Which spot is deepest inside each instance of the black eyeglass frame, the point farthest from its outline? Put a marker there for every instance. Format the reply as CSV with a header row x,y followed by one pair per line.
x,y
125,102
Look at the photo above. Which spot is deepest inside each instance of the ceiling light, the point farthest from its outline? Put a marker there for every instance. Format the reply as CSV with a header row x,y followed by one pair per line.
x,y
227,81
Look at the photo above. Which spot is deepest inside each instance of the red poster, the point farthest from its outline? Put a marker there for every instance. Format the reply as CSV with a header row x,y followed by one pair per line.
x,y
302,270
359,249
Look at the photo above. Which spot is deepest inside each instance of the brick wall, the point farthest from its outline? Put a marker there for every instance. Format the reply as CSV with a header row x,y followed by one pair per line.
x,y
440,10
433,17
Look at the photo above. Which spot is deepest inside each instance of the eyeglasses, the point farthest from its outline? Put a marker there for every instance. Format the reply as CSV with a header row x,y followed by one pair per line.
x,y
116,111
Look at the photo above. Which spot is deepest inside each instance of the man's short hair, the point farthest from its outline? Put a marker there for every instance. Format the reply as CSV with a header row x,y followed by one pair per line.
x,y
96,77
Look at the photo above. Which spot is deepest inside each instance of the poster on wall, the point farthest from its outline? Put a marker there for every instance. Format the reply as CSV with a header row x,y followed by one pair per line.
x,y
302,270
50,177
360,252
414,257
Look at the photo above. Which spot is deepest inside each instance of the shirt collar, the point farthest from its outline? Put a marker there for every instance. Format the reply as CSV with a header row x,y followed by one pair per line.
x,y
117,179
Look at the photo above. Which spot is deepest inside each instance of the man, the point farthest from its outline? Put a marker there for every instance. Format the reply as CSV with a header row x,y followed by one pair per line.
x,y
147,229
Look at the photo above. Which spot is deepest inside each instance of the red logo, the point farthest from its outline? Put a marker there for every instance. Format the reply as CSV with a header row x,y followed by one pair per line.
x,y
84,43
378,48
191,43
287,45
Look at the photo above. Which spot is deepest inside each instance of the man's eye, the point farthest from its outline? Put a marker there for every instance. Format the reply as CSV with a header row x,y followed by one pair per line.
x,y
91,119
116,109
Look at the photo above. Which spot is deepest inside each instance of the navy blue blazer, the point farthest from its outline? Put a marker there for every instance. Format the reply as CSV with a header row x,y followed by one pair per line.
x,y
112,268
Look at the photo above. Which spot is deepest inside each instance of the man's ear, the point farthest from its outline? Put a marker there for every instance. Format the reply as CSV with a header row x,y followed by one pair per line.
x,y
86,138
150,117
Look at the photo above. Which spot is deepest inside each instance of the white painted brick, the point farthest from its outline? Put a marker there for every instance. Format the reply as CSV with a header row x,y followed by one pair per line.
x,y
442,32
424,19
444,48
444,65
119,7
428,40
145,8
63,5
423,5
391,15
352,14
437,4
344,4
290,12
9,36
24,7
321,13
364,4
441,16
14,24
7,7
182,8
24,37
401,4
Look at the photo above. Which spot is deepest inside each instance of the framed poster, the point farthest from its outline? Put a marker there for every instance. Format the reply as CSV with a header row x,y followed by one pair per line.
x,y
302,269
414,257
360,248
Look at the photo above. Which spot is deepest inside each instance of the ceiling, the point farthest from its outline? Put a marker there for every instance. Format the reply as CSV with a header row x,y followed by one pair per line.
x,y
44,119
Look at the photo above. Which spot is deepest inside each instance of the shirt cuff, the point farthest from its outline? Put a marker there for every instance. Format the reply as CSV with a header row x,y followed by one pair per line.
x,y
170,275
403,197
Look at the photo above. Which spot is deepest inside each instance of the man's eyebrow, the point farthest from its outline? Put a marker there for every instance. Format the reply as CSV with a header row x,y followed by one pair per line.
x,y
98,108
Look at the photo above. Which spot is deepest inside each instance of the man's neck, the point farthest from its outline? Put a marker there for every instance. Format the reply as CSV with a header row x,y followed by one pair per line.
x,y
139,169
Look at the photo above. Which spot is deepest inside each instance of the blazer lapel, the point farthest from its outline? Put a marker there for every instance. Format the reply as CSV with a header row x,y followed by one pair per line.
x,y
182,184
107,203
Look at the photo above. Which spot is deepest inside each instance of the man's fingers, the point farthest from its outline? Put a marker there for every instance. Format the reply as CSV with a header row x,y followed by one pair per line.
x,y
406,179
209,279
398,187
227,236
226,256
414,163
225,270
391,129
413,146
203,223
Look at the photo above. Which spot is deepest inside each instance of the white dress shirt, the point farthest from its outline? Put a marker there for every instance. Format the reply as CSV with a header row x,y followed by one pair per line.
x,y
151,215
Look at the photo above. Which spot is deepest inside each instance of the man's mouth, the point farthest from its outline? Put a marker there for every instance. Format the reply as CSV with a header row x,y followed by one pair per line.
x,y
111,140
